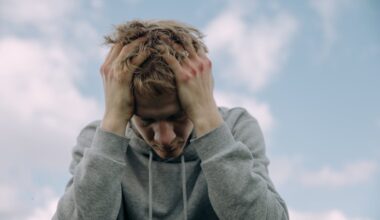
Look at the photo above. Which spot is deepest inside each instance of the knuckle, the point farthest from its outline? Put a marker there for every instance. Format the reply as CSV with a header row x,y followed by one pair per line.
x,y
208,63
119,68
125,49
201,67
193,71
185,77
134,60
104,69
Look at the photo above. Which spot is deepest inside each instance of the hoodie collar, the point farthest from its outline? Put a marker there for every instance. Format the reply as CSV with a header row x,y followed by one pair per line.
x,y
140,146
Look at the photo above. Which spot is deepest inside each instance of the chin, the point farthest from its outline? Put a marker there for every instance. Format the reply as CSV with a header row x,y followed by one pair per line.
x,y
172,154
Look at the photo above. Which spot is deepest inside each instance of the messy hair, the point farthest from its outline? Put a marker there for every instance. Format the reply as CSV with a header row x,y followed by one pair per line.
x,y
154,77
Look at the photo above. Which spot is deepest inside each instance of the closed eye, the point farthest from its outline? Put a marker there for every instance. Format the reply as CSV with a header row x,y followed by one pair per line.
x,y
178,116
147,121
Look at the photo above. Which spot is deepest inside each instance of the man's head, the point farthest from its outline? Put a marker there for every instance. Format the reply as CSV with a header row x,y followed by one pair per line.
x,y
158,116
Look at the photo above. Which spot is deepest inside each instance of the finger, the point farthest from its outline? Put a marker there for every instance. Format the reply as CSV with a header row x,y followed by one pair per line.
x,y
108,55
173,63
131,47
116,50
105,68
179,72
202,52
139,59
163,49
188,45
136,43
177,47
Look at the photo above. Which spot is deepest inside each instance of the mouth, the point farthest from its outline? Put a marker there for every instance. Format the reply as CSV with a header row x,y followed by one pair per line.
x,y
168,148
165,149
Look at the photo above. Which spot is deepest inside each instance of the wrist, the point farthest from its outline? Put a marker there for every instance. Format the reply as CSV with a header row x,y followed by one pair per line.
x,y
208,122
114,125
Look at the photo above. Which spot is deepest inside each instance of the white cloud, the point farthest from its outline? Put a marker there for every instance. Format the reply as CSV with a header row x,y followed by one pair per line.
x,y
46,212
13,203
52,20
328,11
255,51
8,201
42,112
97,4
37,11
292,170
38,87
38,84
351,174
284,169
43,109
261,111
333,214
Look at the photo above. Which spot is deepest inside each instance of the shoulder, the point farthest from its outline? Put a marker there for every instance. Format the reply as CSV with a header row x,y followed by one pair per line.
x,y
243,126
86,135
234,115
84,141
88,131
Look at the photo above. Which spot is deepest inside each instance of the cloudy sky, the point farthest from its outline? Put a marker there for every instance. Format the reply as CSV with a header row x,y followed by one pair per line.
x,y
307,70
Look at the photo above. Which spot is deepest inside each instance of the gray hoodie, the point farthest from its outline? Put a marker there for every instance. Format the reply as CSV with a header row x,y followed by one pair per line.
x,y
221,175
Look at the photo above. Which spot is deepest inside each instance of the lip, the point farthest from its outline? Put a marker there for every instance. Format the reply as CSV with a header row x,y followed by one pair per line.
x,y
171,149
164,149
170,152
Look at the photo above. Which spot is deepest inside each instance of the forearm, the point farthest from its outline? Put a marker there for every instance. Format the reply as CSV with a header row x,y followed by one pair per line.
x,y
206,120
94,191
238,186
113,124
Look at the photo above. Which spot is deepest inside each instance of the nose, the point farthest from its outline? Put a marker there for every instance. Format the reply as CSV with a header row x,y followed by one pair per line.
x,y
164,133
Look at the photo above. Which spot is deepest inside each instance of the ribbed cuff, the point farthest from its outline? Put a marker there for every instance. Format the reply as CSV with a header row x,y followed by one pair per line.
x,y
110,145
213,142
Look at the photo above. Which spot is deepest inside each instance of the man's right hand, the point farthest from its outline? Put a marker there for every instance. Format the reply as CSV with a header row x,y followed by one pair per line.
x,y
117,77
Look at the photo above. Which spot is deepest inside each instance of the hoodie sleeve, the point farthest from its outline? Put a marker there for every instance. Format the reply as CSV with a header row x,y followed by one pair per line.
x,y
94,190
234,163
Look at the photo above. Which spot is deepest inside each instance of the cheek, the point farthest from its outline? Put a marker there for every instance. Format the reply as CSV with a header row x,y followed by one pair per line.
x,y
146,132
184,129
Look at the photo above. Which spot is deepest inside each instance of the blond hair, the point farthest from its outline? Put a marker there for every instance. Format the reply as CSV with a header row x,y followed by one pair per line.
x,y
154,77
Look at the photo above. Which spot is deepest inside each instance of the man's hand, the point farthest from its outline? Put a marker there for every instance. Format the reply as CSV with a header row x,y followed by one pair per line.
x,y
195,86
117,77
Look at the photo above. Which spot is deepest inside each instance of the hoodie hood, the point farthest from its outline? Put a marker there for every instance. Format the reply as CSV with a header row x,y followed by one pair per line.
x,y
139,145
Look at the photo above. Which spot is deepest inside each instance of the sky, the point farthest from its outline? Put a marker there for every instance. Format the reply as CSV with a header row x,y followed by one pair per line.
x,y
307,70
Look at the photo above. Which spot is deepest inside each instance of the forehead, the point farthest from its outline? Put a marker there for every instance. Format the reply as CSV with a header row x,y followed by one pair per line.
x,y
158,107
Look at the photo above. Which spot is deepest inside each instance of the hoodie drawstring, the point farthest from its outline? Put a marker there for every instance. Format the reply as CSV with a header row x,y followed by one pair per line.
x,y
150,184
184,195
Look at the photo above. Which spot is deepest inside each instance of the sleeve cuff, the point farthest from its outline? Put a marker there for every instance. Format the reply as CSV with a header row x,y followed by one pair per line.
x,y
110,145
214,142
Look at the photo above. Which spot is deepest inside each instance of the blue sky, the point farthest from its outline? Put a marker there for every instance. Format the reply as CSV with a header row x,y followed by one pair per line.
x,y
307,70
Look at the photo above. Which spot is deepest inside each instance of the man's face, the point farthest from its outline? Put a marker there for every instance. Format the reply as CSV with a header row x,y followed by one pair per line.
x,y
162,124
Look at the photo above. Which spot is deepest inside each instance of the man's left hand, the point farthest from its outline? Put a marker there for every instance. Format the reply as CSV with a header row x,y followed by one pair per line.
x,y
195,85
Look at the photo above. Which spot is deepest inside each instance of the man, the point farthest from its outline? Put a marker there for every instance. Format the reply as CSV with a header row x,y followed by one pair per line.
x,y
164,149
